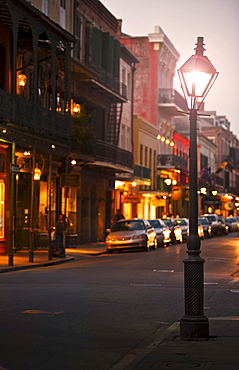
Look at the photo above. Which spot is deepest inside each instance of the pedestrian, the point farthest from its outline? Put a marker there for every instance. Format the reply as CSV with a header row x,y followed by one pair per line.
x,y
61,230
118,216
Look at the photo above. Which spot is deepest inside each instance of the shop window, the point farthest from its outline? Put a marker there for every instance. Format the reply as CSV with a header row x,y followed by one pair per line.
x,y
2,207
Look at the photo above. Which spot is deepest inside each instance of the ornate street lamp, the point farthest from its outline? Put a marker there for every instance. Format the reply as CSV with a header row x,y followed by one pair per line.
x,y
197,76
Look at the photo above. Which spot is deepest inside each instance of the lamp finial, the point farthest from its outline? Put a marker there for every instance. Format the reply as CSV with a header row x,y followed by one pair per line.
x,y
199,49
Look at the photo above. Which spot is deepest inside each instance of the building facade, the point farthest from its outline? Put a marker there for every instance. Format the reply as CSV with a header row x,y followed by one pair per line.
x,y
35,123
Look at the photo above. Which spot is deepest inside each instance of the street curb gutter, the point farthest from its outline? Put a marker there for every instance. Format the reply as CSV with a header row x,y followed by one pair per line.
x,y
36,265
137,354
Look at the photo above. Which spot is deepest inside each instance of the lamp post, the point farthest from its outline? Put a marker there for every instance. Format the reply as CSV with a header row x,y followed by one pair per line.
x,y
168,182
197,76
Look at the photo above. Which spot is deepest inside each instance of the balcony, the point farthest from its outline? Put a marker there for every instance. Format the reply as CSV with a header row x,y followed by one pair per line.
x,y
171,101
26,116
142,175
106,81
110,154
166,161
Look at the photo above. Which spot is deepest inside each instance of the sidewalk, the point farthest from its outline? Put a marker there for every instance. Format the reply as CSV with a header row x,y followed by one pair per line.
x,y
168,351
21,258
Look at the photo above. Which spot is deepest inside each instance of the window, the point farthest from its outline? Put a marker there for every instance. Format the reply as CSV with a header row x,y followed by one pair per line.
x,y
128,139
123,137
129,86
2,207
63,4
45,7
123,75
77,34
141,154
146,157
63,14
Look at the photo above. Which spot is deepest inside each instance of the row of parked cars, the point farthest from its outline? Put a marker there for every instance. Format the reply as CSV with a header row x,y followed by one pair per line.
x,y
146,234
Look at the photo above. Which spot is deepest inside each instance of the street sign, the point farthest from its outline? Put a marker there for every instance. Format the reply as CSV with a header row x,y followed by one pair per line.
x,y
14,168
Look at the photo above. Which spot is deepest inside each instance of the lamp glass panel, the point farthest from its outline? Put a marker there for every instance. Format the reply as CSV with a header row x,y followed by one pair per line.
x,y
196,83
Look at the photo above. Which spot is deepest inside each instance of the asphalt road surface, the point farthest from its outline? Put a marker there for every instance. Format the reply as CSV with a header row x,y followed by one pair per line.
x,y
90,313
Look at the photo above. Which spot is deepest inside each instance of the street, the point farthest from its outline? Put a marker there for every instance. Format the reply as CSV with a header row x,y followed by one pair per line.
x,y
88,314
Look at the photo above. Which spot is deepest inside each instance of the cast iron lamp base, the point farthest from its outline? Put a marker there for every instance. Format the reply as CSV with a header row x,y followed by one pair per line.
x,y
194,325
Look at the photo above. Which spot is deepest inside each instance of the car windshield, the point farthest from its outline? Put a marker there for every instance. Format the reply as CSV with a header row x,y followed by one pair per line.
x,y
231,219
167,221
203,221
155,223
128,225
211,218
181,222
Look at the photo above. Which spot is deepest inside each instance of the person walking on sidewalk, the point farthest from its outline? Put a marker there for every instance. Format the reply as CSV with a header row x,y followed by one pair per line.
x,y
118,216
61,230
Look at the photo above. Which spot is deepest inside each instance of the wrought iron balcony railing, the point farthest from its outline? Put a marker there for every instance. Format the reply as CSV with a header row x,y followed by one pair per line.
x,y
24,114
142,172
171,161
109,153
171,96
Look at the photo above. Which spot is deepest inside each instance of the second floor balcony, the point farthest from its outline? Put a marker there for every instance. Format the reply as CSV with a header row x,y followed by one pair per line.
x,y
167,161
110,154
27,116
172,102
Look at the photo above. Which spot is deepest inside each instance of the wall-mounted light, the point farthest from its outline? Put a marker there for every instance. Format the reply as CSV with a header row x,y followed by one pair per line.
x,y
203,191
134,183
168,181
26,153
37,172
73,162
76,108
22,80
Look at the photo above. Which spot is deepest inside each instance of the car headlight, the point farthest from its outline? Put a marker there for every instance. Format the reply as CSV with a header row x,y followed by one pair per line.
x,y
140,236
110,238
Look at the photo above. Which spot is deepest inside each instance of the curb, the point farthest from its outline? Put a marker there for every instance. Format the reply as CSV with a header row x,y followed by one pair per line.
x,y
137,354
43,264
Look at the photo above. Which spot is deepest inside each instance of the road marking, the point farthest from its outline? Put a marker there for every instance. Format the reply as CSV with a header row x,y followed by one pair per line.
x,y
163,270
234,291
43,312
210,283
150,285
233,281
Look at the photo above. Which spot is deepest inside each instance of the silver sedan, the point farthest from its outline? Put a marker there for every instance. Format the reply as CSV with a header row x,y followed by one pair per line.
x,y
134,233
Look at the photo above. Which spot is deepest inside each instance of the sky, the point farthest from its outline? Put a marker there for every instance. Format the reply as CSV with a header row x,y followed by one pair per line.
x,y
183,21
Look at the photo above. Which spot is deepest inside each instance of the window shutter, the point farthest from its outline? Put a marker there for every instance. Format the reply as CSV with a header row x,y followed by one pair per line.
x,y
97,47
116,58
87,43
105,47
111,55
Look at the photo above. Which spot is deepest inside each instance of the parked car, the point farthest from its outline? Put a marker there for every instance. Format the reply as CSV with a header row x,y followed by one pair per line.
x,y
224,225
183,223
200,230
232,224
207,230
163,233
134,233
214,222
176,232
